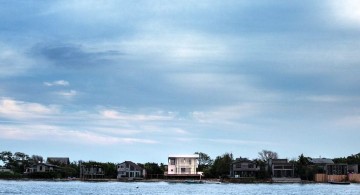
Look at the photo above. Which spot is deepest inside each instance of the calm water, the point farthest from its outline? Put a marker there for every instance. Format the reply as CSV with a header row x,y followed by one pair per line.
x,y
76,187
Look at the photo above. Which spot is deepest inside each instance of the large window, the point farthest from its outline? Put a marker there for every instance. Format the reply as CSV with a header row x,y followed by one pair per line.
x,y
172,161
183,170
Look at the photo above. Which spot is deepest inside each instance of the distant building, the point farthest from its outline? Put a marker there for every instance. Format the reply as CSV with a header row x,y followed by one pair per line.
x,y
327,166
321,164
337,169
42,167
243,167
130,170
58,160
281,168
91,170
182,165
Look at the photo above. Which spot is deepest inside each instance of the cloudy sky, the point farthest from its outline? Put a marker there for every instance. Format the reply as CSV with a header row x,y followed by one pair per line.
x,y
139,80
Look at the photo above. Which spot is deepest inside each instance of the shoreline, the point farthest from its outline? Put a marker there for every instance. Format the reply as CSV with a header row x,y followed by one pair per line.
x,y
224,181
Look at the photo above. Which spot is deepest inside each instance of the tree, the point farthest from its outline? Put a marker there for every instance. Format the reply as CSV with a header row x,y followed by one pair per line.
x,y
221,166
263,172
16,162
352,159
7,158
266,155
109,169
204,161
302,169
153,170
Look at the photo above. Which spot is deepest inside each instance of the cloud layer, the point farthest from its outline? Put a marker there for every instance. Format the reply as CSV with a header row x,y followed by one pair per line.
x,y
137,78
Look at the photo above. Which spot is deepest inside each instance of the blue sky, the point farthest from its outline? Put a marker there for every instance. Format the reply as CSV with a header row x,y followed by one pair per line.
x,y
139,80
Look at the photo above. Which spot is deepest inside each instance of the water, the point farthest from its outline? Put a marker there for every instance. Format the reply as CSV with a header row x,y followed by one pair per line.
x,y
89,188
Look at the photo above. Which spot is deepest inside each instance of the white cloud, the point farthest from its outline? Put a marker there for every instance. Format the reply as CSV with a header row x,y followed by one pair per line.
x,y
325,98
57,83
114,130
239,142
352,121
226,114
180,131
347,12
67,94
13,62
10,108
177,47
34,121
113,114
48,132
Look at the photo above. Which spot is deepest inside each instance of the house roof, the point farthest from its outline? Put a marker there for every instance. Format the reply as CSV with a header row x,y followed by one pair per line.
x,y
44,164
321,161
279,161
62,160
132,164
237,160
184,156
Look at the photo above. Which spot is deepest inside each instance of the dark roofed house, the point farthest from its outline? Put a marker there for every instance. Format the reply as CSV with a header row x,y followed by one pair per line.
x,y
281,168
129,169
91,170
243,167
42,167
58,160
321,163
327,166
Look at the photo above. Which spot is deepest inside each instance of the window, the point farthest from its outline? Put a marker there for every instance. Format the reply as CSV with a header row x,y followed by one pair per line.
x,y
183,170
172,161
251,166
189,161
238,165
41,168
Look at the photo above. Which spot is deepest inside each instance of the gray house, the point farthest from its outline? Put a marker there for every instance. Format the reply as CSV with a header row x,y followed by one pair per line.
x,y
91,170
327,166
129,169
243,167
42,167
281,168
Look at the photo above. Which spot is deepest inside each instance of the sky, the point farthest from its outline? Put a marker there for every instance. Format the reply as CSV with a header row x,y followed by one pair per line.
x,y
140,80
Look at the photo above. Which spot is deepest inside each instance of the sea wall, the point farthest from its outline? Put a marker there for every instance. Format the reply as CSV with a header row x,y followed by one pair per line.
x,y
337,178
355,178
322,178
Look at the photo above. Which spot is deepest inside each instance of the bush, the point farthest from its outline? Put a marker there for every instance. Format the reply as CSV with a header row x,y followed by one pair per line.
x,y
44,175
8,175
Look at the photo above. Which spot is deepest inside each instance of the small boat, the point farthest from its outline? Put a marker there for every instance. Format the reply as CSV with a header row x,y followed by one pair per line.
x,y
340,182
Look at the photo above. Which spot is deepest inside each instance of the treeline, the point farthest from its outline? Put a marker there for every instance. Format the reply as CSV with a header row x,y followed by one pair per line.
x,y
220,166
18,162
212,168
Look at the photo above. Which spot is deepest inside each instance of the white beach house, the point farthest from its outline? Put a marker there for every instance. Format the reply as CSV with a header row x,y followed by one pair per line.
x,y
182,164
